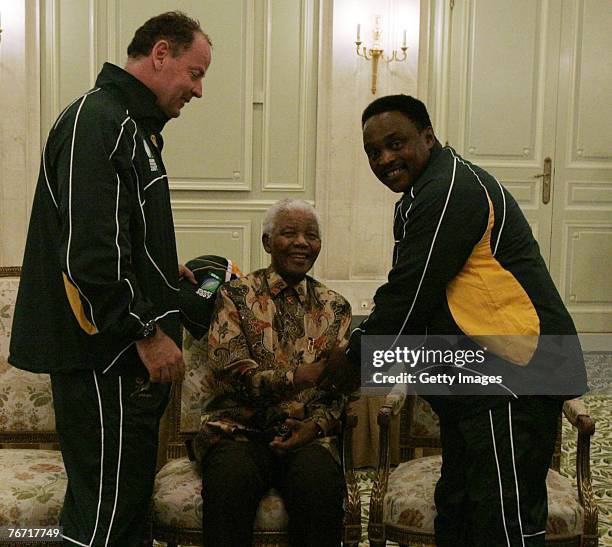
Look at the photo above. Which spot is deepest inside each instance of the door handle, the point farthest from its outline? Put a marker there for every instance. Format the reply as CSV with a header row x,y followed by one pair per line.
x,y
546,178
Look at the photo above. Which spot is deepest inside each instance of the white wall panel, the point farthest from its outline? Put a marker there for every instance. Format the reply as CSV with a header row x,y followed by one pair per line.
x,y
289,118
592,138
357,209
231,238
589,195
210,146
19,124
526,193
224,227
505,65
589,248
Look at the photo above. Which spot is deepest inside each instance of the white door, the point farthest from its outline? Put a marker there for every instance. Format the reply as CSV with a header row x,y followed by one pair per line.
x,y
504,61
581,250
524,93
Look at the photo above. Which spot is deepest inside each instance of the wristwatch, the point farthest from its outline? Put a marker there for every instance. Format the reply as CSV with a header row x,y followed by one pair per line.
x,y
148,330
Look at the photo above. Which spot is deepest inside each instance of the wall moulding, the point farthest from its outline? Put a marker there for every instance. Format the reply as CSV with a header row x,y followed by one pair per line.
x,y
231,238
289,95
224,205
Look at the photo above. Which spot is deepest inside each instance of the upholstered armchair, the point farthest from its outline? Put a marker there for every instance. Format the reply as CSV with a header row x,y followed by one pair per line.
x,y
32,476
177,501
402,507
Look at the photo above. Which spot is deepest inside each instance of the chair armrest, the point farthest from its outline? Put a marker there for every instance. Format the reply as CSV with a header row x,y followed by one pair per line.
x,y
396,398
392,406
352,513
577,414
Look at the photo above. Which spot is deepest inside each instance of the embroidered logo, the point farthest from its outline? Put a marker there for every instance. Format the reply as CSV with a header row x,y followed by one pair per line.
x,y
142,389
152,163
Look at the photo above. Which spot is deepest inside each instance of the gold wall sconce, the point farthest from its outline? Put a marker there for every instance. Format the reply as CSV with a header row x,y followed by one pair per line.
x,y
376,51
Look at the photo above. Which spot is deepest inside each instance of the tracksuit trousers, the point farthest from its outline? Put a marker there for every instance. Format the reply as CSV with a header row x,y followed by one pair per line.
x,y
492,489
108,427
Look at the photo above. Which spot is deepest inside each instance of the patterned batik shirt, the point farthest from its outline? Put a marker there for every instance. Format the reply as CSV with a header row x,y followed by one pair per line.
x,y
261,330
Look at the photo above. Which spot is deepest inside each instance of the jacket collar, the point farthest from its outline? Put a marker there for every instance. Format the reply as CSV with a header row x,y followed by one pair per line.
x,y
140,101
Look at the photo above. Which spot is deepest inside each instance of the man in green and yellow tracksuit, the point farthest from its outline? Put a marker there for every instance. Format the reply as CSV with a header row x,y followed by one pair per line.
x,y
466,263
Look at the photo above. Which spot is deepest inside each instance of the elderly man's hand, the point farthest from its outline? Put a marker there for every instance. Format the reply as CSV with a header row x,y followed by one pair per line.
x,y
301,433
306,375
339,374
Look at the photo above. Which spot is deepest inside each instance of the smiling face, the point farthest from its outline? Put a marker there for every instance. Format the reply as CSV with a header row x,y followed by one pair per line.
x,y
179,78
397,150
294,244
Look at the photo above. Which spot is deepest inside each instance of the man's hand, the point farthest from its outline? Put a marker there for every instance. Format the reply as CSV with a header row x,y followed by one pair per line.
x,y
340,375
162,357
306,375
301,433
184,271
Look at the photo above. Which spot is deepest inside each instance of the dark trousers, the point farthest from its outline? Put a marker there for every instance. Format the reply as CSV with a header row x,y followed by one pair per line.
x,y
236,475
108,427
492,490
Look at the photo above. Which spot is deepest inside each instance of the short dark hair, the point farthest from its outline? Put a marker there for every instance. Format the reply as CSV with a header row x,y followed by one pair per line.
x,y
412,108
174,26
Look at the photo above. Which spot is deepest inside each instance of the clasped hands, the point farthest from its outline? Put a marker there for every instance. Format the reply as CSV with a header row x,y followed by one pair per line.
x,y
333,372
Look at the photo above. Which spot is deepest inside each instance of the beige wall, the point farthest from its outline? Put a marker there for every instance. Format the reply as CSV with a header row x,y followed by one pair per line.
x,y
357,210
19,124
280,117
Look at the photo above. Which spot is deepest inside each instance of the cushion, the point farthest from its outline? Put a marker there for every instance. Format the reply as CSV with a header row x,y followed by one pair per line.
x,y
409,502
424,421
33,487
26,403
178,500
8,296
196,376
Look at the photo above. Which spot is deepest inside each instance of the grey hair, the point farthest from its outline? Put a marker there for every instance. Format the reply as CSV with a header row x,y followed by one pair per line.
x,y
288,204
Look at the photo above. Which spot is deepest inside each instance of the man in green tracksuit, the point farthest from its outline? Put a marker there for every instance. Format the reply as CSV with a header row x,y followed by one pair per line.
x,y
98,299
466,263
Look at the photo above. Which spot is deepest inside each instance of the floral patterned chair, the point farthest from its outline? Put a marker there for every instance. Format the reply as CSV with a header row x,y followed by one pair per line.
x,y
177,500
402,507
32,476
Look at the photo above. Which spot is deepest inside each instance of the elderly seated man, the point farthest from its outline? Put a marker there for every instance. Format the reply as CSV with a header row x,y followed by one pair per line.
x,y
265,423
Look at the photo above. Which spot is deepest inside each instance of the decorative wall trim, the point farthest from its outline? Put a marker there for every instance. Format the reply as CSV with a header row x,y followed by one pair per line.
x,y
242,230
10,271
241,180
50,99
242,185
571,233
576,157
33,115
223,205
532,149
304,103
526,193
579,195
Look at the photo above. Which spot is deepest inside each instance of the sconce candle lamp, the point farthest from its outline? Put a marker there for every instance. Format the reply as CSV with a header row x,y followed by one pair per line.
x,y
376,51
